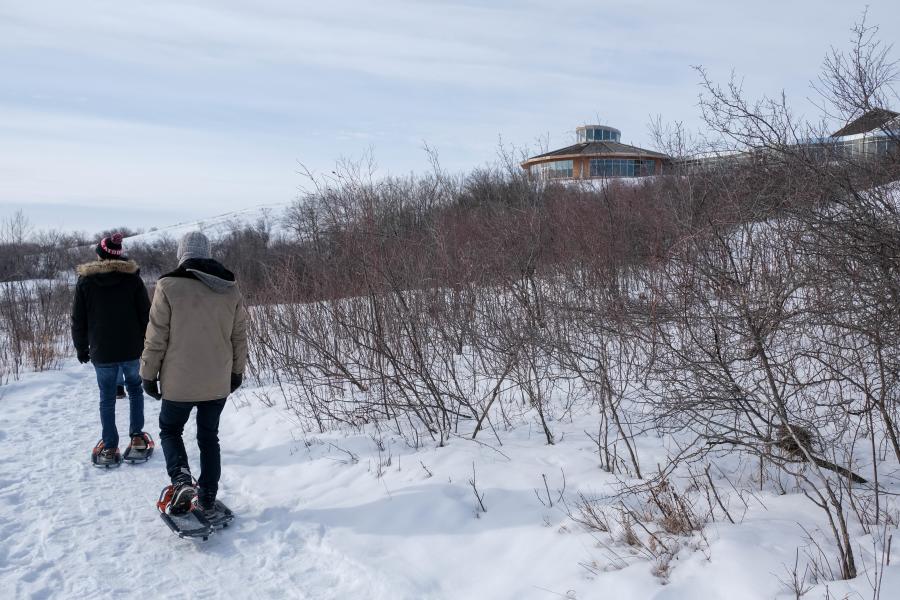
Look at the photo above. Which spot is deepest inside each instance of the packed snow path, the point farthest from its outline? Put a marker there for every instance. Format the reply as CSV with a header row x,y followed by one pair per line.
x,y
71,530
332,516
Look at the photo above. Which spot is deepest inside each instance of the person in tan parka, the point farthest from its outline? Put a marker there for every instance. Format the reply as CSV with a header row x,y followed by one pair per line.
x,y
195,351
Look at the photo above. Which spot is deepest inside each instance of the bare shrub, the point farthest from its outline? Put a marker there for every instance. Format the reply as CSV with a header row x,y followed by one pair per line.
x,y
34,324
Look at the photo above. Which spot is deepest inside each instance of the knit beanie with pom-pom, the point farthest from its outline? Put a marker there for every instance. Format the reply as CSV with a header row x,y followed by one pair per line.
x,y
110,248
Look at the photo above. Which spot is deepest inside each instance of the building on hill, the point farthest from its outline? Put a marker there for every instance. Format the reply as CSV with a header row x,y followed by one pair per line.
x,y
597,154
600,154
873,134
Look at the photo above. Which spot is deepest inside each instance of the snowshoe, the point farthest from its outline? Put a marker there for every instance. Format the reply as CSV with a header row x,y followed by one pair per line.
x,y
218,516
105,458
189,524
140,449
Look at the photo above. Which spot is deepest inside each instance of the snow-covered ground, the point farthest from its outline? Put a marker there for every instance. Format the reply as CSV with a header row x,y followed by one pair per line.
x,y
362,514
218,225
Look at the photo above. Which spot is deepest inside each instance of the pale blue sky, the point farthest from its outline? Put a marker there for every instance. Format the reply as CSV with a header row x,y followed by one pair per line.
x,y
147,113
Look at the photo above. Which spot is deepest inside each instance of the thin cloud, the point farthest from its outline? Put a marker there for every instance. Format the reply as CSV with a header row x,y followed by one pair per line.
x,y
211,103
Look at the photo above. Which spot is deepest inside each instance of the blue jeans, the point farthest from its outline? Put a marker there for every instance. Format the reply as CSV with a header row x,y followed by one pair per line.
x,y
107,379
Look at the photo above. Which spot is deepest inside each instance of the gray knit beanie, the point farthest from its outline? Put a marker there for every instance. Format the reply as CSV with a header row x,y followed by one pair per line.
x,y
193,245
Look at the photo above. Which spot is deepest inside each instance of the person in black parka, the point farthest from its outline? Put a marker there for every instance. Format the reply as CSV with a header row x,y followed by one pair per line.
x,y
109,318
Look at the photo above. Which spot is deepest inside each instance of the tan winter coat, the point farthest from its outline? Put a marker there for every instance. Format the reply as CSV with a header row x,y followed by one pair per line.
x,y
196,338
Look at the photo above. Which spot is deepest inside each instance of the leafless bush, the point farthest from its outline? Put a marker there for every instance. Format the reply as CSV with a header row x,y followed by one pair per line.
x,y
654,519
748,306
34,325
766,337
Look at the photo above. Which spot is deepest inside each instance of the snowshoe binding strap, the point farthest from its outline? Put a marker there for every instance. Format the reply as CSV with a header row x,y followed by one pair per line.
x,y
165,499
176,500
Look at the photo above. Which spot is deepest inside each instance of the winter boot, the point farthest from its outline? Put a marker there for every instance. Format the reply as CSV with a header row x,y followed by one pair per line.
x,y
183,493
205,502
120,392
207,510
105,457
177,499
138,442
213,512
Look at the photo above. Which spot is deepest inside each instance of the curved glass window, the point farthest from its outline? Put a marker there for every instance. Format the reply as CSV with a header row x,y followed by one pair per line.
x,y
598,134
557,169
877,145
622,167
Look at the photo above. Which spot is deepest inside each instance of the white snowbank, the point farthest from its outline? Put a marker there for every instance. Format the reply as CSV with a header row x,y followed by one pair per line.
x,y
324,516
217,225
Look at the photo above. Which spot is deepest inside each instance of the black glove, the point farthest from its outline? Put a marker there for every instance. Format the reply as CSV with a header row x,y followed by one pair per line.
x,y
151,388
236,380
84,356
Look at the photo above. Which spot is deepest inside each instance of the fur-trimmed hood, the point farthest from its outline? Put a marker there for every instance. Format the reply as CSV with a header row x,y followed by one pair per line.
x,y
97,267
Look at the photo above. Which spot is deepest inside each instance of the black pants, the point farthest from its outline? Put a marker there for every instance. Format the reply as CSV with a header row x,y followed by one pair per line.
x,y
172,417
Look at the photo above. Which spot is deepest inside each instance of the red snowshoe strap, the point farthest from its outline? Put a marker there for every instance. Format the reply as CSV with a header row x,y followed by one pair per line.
x,y
165,499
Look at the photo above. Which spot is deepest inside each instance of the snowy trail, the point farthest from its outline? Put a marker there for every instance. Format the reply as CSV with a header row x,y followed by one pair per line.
x,y
310,524
70,530
356,514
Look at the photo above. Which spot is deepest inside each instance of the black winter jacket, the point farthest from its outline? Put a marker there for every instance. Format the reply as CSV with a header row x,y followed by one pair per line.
x,y
110,311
